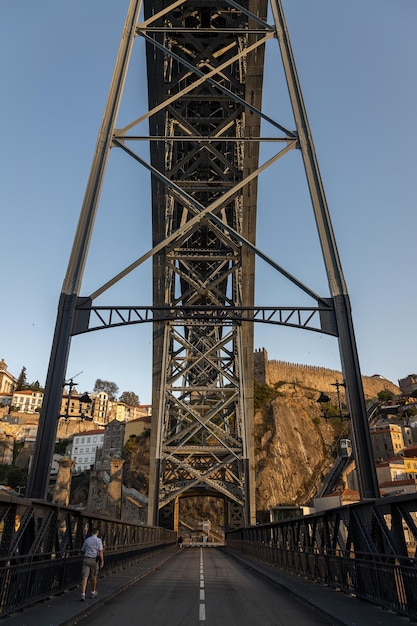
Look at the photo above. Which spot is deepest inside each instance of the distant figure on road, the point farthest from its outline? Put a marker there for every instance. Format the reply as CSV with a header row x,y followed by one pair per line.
x,y
180,540
93,560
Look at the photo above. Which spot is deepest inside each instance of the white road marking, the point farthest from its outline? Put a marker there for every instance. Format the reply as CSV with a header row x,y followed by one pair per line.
x,y
202,614
202,606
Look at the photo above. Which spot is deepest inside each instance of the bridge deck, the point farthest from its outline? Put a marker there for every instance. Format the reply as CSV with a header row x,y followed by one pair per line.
x,y
68,610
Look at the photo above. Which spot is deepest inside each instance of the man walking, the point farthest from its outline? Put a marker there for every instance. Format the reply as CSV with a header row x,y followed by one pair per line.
x,y
93,560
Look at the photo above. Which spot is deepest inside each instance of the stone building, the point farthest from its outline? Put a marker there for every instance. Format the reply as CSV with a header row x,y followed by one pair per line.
x,y
387,441
7,381
408,384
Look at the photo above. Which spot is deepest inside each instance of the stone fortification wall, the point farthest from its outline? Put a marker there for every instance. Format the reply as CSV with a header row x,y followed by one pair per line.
x,y
313,377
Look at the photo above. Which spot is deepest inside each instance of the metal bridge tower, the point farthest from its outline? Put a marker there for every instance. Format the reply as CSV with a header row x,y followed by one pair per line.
x,y
205,62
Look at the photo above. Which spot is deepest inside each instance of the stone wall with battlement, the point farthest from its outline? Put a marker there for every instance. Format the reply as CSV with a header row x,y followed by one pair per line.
x,y
311,376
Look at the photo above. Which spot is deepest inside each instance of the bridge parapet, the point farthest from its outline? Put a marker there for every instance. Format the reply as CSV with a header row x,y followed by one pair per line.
x,y
367,549
40,548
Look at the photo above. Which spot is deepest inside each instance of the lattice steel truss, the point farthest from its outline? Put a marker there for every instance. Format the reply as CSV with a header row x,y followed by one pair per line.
x,y
204,401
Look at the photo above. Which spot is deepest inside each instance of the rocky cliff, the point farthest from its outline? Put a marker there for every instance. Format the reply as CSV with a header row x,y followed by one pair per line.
x,y
295,446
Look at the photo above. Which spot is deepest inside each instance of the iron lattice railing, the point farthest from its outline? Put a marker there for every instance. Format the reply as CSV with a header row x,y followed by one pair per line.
x,y
40,549
366,549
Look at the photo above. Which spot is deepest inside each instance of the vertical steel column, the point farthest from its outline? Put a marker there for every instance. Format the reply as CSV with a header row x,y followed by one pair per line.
x,y
48,420
368,484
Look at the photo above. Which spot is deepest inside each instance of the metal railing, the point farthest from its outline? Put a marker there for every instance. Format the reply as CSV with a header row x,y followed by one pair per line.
x,y
367,550
40,549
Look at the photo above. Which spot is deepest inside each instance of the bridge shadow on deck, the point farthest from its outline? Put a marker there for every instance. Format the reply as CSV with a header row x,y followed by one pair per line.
x,y
68,610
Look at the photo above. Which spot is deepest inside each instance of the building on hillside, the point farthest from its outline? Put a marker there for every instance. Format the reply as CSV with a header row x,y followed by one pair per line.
x,y
27,401
101,408
5,399
391,470
126,413
84,449
76,406
28,431
410,467
398,487
339,498
7,381
137,427
410,451
387,441
119,411
408,435
408,384
143,410
410,461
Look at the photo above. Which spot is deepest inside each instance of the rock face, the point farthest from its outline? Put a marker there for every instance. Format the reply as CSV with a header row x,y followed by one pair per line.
x,y
295,446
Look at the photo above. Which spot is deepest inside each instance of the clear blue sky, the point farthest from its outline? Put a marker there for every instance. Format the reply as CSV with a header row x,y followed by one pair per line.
x,y
357,66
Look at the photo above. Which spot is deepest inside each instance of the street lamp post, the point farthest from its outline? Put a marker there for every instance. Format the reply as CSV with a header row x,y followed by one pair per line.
x,y
324,402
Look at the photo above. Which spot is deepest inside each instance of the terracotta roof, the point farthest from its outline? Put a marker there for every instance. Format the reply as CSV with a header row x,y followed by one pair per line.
x,y
392,461
143,418
410,451
404,481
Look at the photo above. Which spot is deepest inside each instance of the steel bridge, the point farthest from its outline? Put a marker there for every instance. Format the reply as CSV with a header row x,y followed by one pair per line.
x,y
365,550
204,129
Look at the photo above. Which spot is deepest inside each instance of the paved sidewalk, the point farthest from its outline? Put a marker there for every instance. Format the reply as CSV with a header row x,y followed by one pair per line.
x,y
67,609
342,609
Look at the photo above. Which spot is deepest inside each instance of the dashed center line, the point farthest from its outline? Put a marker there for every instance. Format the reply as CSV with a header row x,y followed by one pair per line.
x,y
202,606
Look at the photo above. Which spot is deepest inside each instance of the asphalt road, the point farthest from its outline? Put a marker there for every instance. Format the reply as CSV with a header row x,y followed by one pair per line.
x,y
204,588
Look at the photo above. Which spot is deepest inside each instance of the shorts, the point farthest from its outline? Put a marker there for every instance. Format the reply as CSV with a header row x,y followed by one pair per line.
x,y
90,568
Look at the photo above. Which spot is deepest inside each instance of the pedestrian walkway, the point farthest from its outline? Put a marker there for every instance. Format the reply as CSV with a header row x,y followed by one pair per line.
x,y
68,610
342,609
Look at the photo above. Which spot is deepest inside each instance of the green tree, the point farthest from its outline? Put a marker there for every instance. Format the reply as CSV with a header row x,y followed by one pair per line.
x,y
13,476
130,398
263,394
22,382
61,446
35,386
107,386
385,395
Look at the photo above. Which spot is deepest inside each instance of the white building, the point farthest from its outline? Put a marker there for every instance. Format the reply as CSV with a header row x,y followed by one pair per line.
x,y
84,447
7,381
27,401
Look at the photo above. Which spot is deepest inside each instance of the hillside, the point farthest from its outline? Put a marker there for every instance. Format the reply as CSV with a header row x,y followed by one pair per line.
x,y
295,446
